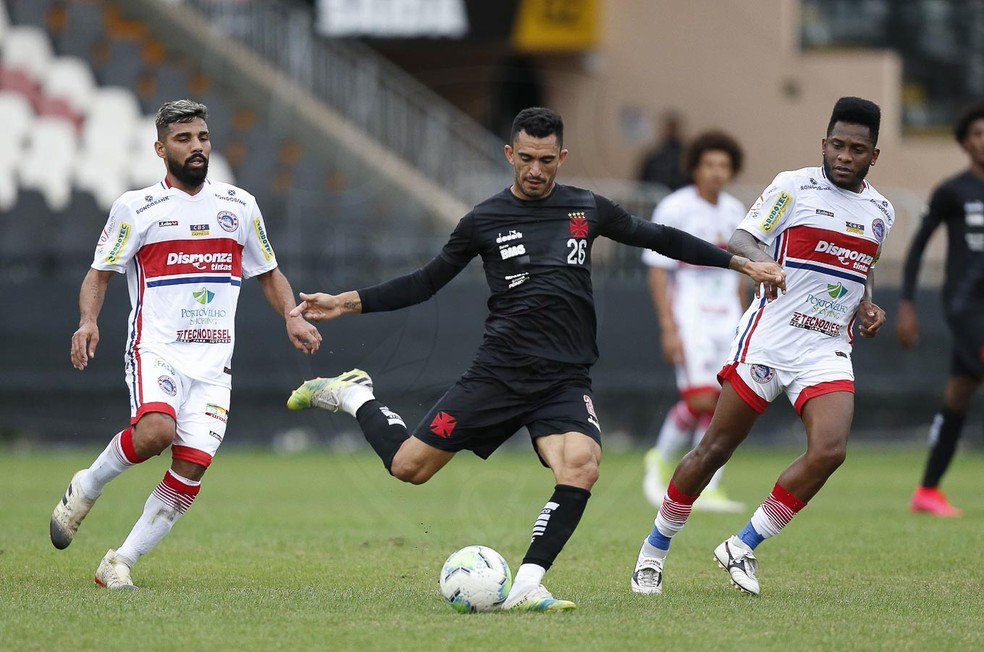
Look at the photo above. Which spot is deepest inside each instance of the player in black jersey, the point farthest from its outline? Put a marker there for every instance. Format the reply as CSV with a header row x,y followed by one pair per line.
x,y
532,368
959,203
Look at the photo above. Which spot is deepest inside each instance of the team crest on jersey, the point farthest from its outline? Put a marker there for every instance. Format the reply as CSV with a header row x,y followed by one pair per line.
x,y
578,224
148,198
856,229
762,373
228,222
878,229
199,230
167,385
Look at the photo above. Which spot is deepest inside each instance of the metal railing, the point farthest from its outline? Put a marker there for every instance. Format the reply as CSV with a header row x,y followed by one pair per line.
x,y
374,95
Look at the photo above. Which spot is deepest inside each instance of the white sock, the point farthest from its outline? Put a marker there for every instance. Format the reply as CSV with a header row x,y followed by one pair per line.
x,y
651,551
352,398
527,577
110,463
675,432
165,505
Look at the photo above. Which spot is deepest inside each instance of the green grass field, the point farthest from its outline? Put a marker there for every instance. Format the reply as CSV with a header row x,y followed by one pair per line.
x,y
318,551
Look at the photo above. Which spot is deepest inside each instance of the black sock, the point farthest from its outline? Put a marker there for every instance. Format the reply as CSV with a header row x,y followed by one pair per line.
x,y
555,524
943,437
383,429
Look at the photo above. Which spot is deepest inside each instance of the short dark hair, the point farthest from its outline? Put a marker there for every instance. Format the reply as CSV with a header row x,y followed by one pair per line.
x,y
178,111
858,111
713,141
538,122
967,118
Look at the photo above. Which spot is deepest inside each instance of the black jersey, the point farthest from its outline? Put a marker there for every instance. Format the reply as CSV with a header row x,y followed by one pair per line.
x,y
537,260
958,202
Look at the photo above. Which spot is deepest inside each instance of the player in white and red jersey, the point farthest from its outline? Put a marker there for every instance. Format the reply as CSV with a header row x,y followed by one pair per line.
x,y
185,245
825,226
697,307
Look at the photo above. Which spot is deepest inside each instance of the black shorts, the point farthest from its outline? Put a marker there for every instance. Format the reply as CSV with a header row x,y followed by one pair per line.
x,y
488,405
968,345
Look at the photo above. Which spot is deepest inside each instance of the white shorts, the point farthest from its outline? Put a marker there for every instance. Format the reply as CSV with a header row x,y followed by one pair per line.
x,y
759,384
702,356
199,409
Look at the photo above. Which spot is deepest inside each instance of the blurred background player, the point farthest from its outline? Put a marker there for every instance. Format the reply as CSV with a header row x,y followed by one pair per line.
x,y
825,225
663,163
959,203
185,245
698,308
533,366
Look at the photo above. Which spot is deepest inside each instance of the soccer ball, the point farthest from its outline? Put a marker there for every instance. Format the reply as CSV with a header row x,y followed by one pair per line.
x,y
475,578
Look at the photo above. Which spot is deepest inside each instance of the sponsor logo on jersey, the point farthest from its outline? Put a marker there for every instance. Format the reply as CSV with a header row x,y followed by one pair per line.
x,y
217,412
578,224
203,296
443,425
856,229
762,373
878,229
821,211
164,223
881,205
124,234
836,290
152,202
509,237
511,251
815,323
204,335
214,262
231,197
846,256
517,279
167,385
826,307
198,230
262,237
814,185
779,208
228,222
214,435
592,417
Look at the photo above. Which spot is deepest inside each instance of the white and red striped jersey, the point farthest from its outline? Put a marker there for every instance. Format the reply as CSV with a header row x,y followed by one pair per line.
x,y
827,239
697,292
185,257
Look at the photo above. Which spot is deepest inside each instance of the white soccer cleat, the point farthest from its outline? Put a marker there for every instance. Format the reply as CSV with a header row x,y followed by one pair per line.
x,y
737,559
327,393
648,575
657,477
715,500
69,512
537,598
114,572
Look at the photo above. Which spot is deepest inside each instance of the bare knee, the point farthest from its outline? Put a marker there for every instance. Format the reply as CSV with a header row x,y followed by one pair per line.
x,y
153,434
712,452
411,473
827,459
579,470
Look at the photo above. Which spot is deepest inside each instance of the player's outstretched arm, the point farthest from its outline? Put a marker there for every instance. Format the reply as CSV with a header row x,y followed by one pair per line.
x,y
907,325
322,307
767,275
304,336
91,297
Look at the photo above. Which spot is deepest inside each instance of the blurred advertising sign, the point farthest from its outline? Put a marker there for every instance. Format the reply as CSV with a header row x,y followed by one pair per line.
x,y
527,25
393,18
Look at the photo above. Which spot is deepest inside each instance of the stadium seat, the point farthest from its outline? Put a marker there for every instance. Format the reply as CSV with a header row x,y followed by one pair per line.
x,y
48,161
70,79
83,29
17,116
30,12
4,21
113,105
76,230
122,65
27,48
